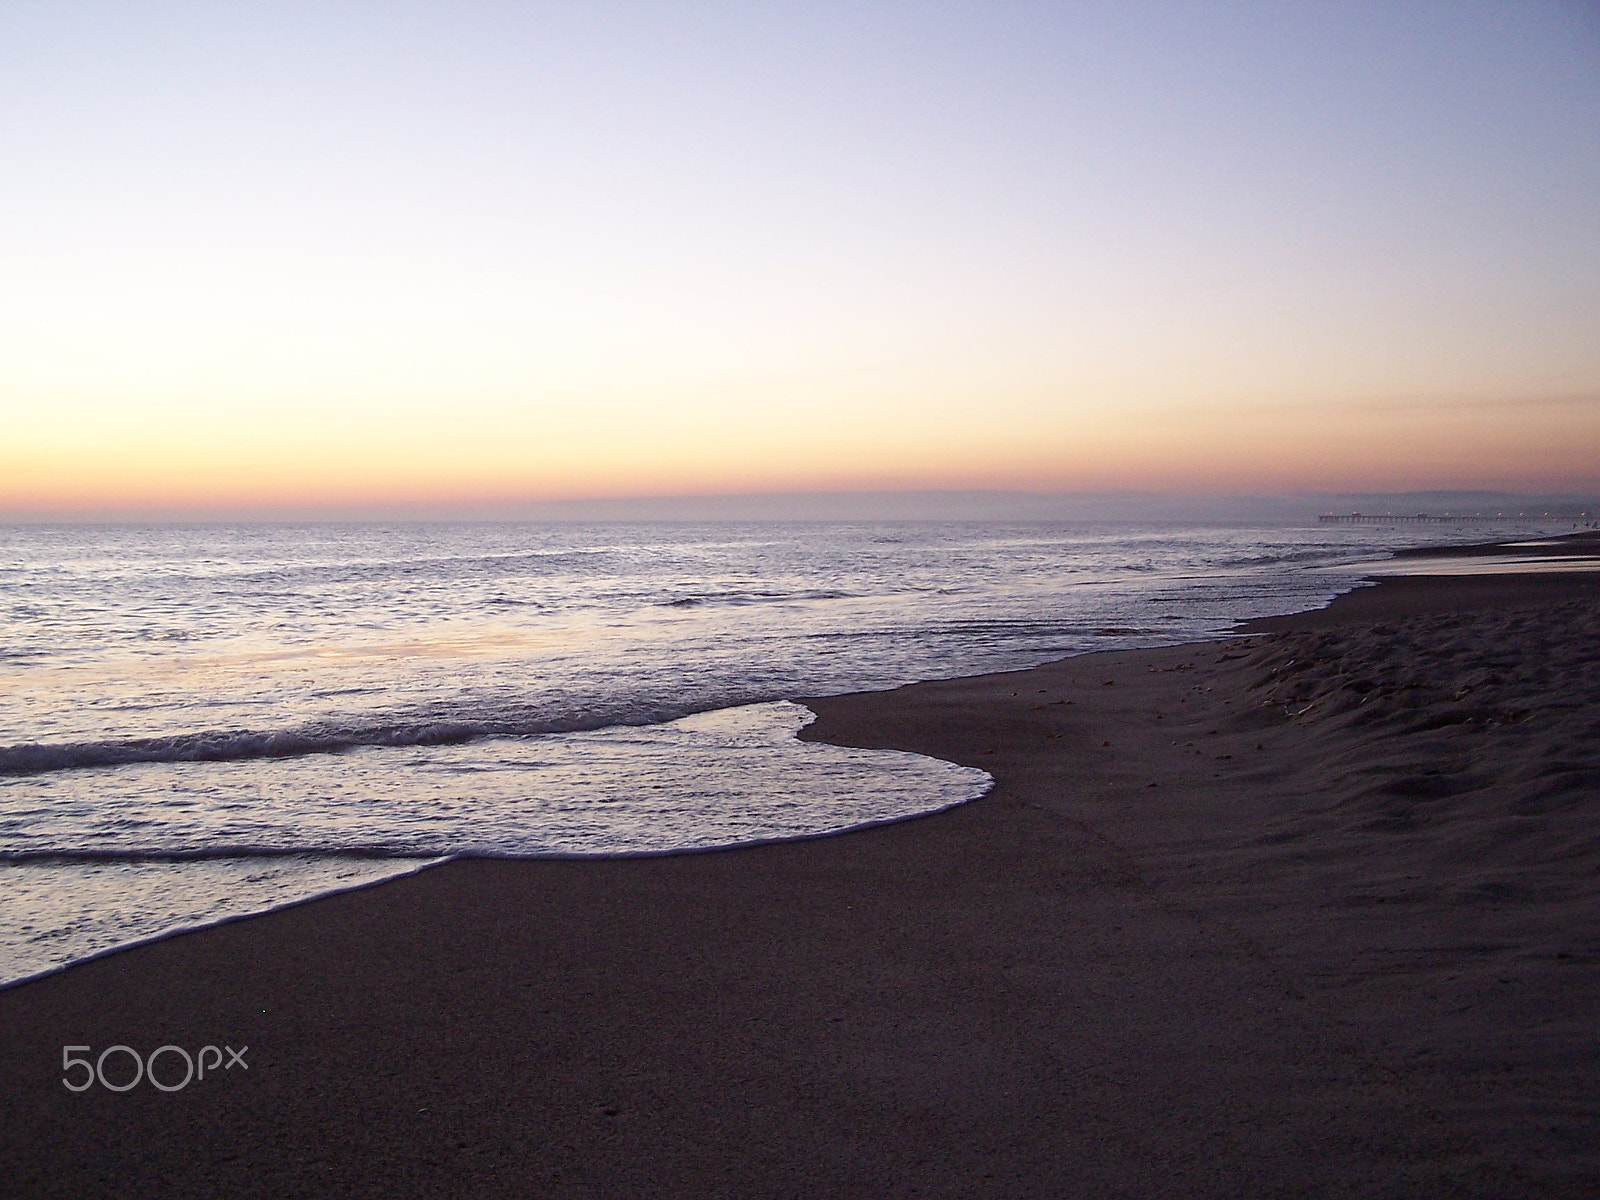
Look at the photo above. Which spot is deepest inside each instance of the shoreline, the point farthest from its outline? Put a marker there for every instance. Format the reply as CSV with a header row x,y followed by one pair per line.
x,y
899,1009
793,791
426,863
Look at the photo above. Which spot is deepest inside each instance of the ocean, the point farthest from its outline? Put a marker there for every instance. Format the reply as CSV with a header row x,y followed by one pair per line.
x,y
202,722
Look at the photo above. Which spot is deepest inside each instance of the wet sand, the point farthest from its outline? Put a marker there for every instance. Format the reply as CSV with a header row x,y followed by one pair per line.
x,y
1314,912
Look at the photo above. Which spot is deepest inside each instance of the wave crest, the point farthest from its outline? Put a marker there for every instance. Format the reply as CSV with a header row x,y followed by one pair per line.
x,y
219,745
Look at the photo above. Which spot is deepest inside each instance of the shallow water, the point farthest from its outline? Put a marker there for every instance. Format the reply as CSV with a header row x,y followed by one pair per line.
x,y
1487,564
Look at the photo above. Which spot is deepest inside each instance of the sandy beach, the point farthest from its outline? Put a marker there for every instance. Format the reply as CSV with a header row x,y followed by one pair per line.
x,y
1310,912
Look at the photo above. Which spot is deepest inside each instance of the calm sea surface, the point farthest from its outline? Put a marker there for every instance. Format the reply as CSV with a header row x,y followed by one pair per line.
x,y
200,722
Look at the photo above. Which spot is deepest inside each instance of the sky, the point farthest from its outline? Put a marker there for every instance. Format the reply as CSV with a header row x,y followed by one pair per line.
x,y
317,256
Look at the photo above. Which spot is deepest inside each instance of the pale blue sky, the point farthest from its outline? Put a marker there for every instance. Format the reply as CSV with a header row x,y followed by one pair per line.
x,y
621,249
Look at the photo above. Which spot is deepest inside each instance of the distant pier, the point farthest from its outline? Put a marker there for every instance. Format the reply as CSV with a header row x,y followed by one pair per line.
x,y
1387,519
1584,518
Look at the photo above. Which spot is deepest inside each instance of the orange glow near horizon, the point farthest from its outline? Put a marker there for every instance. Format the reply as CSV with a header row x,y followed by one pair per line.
x,y
315,262
1537,447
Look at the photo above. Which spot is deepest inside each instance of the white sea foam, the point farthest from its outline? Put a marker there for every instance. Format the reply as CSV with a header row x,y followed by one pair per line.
x,y
201,721
118,856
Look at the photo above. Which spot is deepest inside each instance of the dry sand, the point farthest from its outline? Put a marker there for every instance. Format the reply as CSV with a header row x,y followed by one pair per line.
x,y
1315,912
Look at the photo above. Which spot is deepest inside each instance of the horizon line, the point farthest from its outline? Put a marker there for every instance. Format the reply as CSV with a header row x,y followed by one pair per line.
x,y
835,504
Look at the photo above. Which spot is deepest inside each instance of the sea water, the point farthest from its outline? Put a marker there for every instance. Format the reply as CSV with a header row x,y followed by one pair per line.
x,y
199,722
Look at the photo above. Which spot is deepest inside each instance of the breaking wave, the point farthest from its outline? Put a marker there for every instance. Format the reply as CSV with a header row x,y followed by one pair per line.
x,y
229,745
